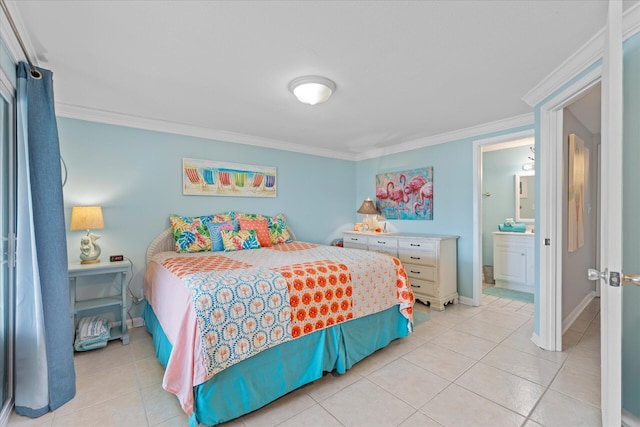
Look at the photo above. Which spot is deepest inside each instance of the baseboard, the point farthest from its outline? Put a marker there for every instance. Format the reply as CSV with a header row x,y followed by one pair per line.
x,y
535,338
135,323
568,321
465,300
629,420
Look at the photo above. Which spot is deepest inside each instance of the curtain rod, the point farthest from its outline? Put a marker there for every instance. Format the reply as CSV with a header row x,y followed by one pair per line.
x,y
34,71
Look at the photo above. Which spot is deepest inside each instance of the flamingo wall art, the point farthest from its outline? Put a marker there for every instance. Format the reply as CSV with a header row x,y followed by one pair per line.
x,y
209,178
405,195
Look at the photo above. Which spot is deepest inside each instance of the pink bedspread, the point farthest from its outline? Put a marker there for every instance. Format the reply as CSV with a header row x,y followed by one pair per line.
x,y
309,287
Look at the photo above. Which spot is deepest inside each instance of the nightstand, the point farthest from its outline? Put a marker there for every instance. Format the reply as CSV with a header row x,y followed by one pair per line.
x,y
118,301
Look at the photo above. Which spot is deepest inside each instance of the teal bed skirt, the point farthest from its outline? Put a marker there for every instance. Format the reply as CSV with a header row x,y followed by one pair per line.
x,y
261,379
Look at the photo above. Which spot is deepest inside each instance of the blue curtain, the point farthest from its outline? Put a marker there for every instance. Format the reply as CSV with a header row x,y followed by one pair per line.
x,y
44,371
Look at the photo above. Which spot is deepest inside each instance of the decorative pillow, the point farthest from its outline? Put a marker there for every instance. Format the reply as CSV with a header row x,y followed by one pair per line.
x,y
242,215
278,230
214,232
223,216
191,233
262,229
239,240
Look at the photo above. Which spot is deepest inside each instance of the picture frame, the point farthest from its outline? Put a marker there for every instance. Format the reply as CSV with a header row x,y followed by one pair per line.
x,y
213,178
405,195
577,192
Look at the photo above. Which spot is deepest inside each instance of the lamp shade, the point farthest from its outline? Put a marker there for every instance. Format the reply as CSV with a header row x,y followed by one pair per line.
x,y
86,217
368,207
312,90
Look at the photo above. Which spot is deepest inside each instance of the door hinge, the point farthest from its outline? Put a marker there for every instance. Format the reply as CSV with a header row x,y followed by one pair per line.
x,y
614,279
547,242
12,250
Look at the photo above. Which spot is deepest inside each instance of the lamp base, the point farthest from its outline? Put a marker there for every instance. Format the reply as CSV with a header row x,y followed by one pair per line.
x,y
370,223
89,261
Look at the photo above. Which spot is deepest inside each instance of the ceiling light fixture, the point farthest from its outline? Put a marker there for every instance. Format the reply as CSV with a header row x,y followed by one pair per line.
x,y
312,90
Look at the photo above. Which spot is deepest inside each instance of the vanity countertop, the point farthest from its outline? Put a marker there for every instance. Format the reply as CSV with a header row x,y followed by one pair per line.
x,y
515,233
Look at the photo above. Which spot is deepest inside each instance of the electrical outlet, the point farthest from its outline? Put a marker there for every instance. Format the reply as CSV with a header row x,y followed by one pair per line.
x,y
114,258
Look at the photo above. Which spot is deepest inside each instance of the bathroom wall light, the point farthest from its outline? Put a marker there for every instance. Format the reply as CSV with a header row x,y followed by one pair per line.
x,y
312,90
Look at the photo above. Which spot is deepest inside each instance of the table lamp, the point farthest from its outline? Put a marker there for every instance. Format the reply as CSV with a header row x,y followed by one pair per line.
x,y
87,218
369,208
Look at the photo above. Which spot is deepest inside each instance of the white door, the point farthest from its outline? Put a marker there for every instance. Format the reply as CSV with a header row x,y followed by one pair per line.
x,y
611,220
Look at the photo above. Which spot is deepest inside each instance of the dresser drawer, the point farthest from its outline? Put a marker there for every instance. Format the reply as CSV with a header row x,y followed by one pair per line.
x,y
352,245
417,271
354,240
417,257
384,250
422,287
424,246
384,241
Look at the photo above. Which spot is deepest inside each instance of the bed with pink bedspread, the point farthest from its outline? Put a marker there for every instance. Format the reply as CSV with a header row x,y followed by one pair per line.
x,y
237,330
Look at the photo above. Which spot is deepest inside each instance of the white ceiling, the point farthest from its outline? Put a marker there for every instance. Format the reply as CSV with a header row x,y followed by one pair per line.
x,y
404,70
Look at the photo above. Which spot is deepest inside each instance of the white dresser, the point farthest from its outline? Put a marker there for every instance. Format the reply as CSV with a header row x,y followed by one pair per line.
x,y
430,261
513,260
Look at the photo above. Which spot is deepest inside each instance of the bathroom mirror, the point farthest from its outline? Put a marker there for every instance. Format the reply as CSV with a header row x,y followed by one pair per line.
x,y
525,197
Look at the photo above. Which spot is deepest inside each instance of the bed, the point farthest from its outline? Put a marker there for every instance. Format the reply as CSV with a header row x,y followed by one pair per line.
x,y
237,330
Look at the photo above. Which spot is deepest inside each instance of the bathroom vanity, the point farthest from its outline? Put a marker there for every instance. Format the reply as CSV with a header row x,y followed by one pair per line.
x,y
513,259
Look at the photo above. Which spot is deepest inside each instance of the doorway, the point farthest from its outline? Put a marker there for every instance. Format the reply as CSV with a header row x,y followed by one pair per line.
x,y
550,220
480,244
581,125
508,193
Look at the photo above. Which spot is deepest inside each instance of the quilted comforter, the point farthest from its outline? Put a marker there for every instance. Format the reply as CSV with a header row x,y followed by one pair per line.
x,y
220,308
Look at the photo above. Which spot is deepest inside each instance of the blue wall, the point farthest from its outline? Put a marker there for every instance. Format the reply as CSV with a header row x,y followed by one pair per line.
x,y
631,227
452,194
136,176
498,170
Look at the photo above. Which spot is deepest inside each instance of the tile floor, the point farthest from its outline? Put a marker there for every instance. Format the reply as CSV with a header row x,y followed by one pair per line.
x,y
467,366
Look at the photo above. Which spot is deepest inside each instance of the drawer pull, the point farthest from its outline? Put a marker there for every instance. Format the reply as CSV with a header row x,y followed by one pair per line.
x,y
415,257
415,286
382,243
415,244
414,272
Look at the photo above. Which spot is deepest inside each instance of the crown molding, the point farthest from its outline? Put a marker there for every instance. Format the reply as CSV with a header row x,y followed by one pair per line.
x,y
118,119
631,22
473,131
587,55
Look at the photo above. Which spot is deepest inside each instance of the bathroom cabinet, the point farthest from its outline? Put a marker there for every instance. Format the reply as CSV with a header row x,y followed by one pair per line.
x,y
513,260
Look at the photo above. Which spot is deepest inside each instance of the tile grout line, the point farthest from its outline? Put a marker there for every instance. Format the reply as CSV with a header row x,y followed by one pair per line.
x,y
528,418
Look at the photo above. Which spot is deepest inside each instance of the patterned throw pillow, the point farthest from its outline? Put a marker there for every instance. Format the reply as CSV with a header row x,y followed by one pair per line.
x,y
278,230
262,229
239,240
243,215
191,233
214,231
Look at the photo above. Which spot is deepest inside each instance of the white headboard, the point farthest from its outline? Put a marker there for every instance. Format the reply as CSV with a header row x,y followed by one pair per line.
x,y
163,243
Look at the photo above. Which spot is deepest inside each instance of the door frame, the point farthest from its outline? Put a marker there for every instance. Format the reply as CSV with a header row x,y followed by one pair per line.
x,y
478,144
7,93
549,222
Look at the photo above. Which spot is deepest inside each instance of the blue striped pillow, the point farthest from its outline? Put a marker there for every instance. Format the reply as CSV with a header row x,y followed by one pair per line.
x,y
214,231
